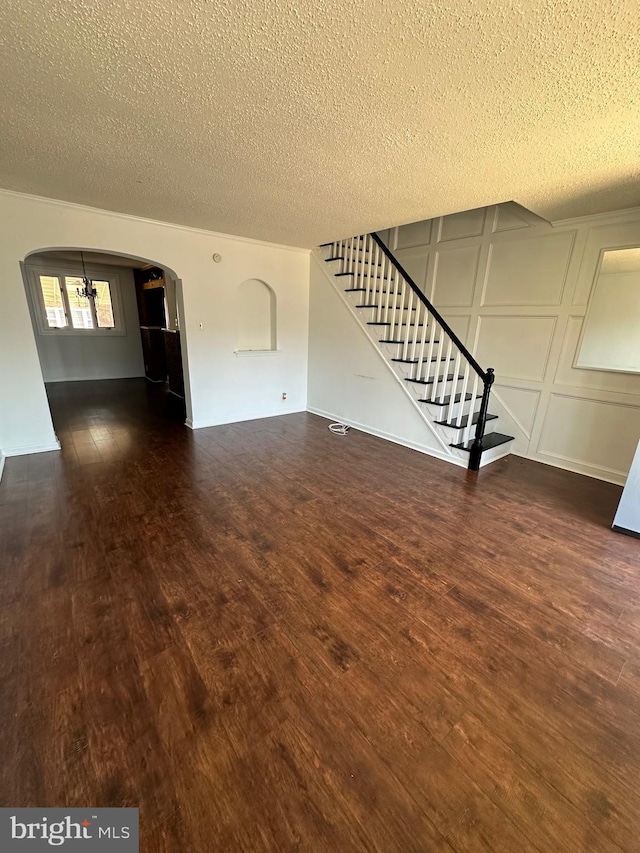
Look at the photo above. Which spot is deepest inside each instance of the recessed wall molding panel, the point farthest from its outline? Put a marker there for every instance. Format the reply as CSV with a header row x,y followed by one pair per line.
x,y
528,271
516,347
460,325
522,405
455,275
593,433
468,223
414,234
415,263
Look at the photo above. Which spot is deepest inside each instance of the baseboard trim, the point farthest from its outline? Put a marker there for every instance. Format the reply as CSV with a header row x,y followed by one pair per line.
x,y
256,416
625,530
2,458
388,436
26,449
575,468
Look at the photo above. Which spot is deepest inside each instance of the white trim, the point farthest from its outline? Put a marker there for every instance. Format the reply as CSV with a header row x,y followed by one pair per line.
x,y
389,436
25,450
133,217
2,459
595,217
238,419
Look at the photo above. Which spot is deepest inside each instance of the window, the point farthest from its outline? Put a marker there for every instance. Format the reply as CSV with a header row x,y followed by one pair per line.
x,y
60,307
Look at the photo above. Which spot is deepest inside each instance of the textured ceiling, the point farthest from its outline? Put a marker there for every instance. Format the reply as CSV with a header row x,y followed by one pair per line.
x,y
302,121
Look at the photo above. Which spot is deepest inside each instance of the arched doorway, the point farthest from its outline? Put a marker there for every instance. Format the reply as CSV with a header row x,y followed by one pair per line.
x,y
109,336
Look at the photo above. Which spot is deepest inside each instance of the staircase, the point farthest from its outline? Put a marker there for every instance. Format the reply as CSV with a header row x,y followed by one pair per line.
x,y
442,378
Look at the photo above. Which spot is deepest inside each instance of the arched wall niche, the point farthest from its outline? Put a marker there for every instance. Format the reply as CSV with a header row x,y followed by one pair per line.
x,y
256,317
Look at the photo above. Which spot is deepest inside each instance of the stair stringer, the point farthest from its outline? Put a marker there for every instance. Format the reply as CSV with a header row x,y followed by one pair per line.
x,y
440,437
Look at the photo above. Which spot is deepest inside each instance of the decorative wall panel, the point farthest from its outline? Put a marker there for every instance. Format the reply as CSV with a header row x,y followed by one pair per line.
x,y
528,271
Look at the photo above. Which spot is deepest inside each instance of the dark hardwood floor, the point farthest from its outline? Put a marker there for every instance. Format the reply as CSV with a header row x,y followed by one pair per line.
x,y
271,638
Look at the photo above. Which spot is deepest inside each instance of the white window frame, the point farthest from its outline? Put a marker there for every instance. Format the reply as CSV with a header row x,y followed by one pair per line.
x,y
60,270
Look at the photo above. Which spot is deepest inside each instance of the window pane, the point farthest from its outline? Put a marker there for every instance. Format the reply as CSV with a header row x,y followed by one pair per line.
x,y
53,304
80,309
104,308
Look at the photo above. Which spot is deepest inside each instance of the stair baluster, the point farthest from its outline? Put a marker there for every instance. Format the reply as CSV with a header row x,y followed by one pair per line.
x,y
434,356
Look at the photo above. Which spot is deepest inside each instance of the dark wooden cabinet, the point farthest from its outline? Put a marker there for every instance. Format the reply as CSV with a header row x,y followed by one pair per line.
x,y
174,361
153,352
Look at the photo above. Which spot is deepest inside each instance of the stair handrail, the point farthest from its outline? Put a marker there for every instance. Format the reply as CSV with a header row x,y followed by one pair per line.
x,y
487,376
484,375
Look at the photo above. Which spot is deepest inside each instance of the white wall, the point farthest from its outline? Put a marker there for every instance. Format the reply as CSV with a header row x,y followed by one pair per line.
x,y
221,387
67,357
516,290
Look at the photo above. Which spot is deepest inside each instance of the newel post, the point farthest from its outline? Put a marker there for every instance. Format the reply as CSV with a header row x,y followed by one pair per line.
x,y
476,448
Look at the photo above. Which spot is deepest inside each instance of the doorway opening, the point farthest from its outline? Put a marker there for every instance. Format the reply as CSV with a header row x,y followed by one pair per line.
x,y
106,325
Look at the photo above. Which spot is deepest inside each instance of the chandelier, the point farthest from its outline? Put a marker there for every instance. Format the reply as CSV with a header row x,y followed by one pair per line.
x,y
87,291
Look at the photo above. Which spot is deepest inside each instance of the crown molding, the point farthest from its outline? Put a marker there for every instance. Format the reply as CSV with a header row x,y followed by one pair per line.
x,y
158,222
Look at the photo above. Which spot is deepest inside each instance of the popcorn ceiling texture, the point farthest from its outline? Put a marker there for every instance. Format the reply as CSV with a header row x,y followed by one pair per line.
x,y
298,121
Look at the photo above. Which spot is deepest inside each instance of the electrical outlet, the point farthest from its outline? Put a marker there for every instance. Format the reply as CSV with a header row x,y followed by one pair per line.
x,y
284,395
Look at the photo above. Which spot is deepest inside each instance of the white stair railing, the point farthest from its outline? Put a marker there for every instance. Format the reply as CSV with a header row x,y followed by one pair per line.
x,y
436,357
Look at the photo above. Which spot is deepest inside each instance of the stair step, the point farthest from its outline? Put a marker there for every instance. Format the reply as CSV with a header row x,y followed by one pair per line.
x,y
364,290
494,439
388,323
391,341
446,400
418,360
374,277
400,308
338,258
465,421
448,378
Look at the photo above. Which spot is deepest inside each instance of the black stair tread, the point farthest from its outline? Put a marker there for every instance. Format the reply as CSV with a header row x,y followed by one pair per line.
x,y
446,400
374,277
359,260
392,341
337,258
418,360
449,378
494,439
388,323
400,308
465,421
364,290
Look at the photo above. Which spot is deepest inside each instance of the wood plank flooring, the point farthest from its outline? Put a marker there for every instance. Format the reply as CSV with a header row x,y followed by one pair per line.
x,y
271,638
